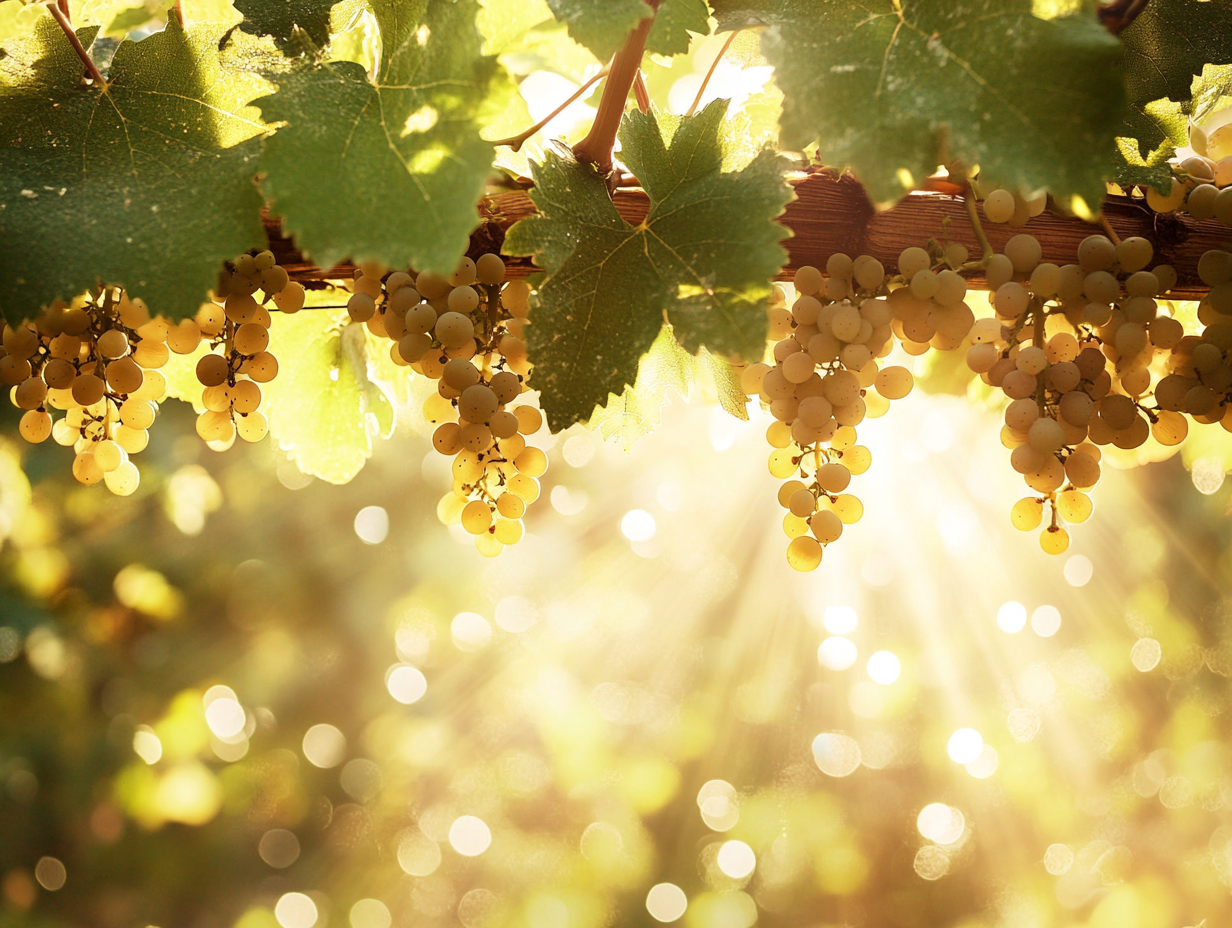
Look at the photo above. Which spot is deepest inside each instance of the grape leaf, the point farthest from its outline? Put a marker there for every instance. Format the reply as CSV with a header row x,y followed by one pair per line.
x,y
323,409
666,366
895,87
702,259
280,18
675,20
603,25
387,171
600,25
146,184
1166,47
1153,170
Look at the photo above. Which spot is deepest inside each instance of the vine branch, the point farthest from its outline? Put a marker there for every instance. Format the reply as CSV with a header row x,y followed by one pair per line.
x,y
517,141
710,71
596,148
1117,16
66,27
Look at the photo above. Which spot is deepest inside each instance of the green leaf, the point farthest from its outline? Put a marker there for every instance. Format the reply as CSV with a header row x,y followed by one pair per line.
x,y
893,88
503,23
1168,44
146,184
675,20
387,171
280,18
701,260
1153,170
600,25
638,409
322,408
667,367
603,25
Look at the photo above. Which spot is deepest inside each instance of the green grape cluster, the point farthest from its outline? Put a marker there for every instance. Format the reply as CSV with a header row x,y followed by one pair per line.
x,y
1078,351
97,360
825,361
235,325
466,332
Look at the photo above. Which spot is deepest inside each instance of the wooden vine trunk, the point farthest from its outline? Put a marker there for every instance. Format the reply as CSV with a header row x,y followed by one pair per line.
x,y
833,214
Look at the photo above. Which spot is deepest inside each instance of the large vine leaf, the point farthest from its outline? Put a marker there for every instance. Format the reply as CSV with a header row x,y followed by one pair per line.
x,y
388,170
323,409
146,184
675,20
701,260
280,18
892,88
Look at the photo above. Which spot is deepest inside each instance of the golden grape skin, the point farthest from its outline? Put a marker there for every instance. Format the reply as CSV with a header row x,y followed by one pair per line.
x,y
1054,540
1027,514
804,553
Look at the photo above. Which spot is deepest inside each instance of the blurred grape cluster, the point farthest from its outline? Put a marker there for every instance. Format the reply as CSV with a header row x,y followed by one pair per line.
x,y
245,699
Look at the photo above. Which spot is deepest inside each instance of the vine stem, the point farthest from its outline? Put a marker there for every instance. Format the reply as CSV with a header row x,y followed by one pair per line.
x,y
596,148
710,72
517,141
67,28
1108,230
640,92
976,226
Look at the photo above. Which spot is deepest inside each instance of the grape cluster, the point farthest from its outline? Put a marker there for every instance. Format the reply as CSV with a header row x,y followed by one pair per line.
x,y
235,326
1200,186
97,360
825,360
1074,349
465,332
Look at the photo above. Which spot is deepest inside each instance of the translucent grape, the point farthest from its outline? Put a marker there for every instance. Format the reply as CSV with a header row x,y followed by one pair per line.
x,y
804,553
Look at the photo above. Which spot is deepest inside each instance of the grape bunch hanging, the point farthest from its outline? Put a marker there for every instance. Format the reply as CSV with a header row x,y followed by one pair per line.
x,y
465,332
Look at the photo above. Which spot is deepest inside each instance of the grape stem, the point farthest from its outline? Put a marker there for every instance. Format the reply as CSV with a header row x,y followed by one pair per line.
x,y
1108,230
976,226
640,93
517,141
596,147
710,72
61,17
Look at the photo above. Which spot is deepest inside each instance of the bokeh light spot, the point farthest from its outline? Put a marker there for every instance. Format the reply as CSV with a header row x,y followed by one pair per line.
x,y
370,913
50,873
736,859
470,631
837,653
719,805
1146,654
638,525
279,848
932,862
225,717
940,823
418,855
372,525
469,836
578,450
1078,570
361,779
985,765
836,754
666,902
1046,621
406,683
146,744
295,910
884,667
1058,859
324,746
840,620
1012,617
965,746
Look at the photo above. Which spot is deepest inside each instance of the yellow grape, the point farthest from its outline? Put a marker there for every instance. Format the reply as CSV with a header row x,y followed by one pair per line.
x,y
848,508
794,526
826,526
476,517
449,509
781,463
804,553
510,506
1074,506
508,531
524,487
787,490
857,459
488,545
1027,514
1054,540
